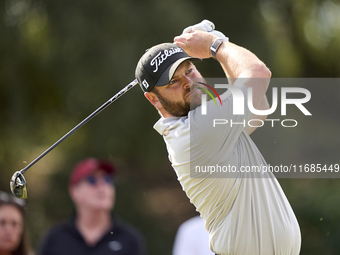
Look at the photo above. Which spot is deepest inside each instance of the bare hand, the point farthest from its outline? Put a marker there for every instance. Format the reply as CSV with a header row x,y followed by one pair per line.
x,y
196,44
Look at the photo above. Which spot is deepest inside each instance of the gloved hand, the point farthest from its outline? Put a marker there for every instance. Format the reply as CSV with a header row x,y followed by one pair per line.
x,y
206,26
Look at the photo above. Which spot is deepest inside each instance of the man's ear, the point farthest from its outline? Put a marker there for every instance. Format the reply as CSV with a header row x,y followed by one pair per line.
x,y
153,99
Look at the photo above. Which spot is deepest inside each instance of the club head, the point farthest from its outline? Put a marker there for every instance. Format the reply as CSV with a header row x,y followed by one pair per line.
x,y
18,185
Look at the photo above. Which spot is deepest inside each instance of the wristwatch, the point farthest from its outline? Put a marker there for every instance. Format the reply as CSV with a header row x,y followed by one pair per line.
x,y
215,45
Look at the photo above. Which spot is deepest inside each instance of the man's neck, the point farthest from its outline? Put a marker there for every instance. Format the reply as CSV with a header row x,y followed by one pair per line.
x,y
93,225
164,113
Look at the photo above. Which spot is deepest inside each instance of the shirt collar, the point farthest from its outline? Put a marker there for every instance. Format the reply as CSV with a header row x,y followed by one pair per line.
x,y
163,123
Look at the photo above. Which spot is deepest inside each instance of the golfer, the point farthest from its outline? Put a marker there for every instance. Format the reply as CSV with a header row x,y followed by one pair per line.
x,y
244,213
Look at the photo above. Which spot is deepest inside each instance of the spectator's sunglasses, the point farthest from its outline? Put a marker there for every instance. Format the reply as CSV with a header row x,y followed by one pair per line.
x,y
94,180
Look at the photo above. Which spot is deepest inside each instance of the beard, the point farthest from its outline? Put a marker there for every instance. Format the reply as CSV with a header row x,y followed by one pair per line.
x,y
178,109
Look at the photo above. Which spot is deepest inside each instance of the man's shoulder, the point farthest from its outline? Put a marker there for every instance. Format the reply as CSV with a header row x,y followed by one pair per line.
x,y
164,124
61,228
56,237
125,228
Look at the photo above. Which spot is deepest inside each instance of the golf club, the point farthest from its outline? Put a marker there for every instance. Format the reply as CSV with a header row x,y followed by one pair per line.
x,y
18,183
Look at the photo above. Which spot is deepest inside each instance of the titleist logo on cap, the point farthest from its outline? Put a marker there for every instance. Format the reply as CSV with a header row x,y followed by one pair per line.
x,y
160,58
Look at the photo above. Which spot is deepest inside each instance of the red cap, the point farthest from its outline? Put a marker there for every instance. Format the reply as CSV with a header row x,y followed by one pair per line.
x,y
88,166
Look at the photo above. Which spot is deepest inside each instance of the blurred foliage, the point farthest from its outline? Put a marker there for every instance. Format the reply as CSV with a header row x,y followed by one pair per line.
x,y
60,60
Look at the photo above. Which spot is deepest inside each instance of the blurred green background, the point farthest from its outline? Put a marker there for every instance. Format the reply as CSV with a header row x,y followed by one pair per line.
x,y
61,60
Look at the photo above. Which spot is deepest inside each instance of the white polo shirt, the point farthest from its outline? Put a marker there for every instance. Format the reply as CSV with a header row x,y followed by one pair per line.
x,y
244,213
192,239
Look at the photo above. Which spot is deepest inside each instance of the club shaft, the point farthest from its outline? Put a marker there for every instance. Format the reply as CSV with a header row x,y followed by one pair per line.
x,y
106,104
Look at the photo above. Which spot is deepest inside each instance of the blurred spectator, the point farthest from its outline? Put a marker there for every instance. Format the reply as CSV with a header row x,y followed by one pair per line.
x,y
12,228
93,230
192,238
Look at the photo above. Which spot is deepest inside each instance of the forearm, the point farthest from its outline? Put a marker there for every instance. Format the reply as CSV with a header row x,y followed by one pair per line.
x,y
263,105
238,62
244,66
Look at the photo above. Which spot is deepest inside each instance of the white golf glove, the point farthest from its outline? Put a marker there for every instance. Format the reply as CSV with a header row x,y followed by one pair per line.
x,y
206,26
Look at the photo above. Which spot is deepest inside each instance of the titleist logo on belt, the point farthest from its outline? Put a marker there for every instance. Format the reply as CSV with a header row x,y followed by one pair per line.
x,y
160,58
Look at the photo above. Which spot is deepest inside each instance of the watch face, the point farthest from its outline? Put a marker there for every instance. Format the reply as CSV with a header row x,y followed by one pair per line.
x,y
214,47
